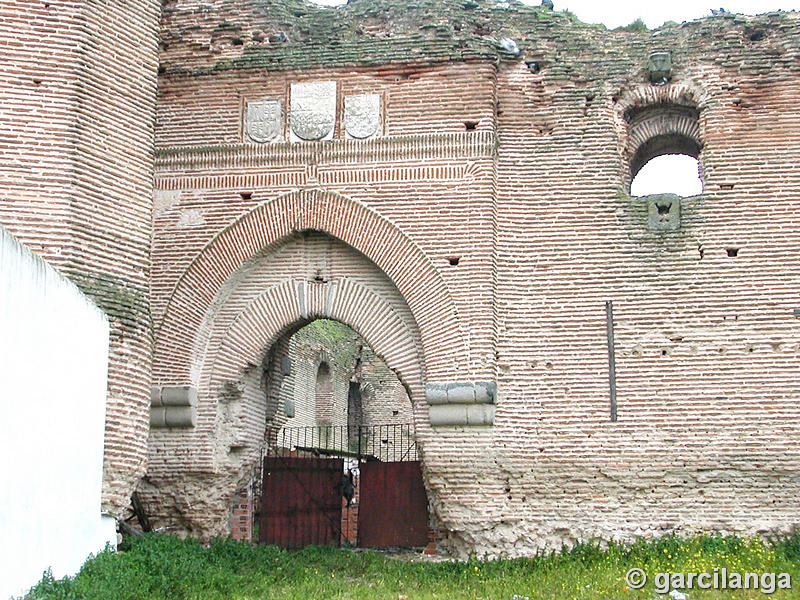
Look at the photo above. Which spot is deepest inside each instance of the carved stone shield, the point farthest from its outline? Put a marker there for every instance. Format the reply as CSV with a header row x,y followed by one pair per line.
x,y
362,115
313,112
263,120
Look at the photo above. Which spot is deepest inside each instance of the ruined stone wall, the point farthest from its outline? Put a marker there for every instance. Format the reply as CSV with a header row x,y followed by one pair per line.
x,y
383,397
78,108
507,174
307,353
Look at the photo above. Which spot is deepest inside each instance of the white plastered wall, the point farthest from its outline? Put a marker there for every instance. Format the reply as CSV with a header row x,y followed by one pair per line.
x,y
53,369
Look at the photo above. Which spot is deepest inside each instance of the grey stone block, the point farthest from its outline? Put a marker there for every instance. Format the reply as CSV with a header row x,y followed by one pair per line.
x,y
436,393
480,414
180,416
447,415
179,395
454,415
461,393
155,396
485,392
664,212
158,416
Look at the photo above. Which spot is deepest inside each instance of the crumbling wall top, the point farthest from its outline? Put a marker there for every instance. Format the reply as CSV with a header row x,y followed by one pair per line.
x,y
220,35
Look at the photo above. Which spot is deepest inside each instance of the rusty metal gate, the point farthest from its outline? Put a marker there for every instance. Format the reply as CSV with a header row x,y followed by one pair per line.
x,y
349,485
300,504
394,506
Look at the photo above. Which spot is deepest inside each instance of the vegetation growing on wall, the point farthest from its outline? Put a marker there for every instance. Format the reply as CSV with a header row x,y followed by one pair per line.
x,y
335,337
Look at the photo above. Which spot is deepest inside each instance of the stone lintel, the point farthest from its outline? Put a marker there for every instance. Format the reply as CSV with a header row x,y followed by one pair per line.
x,y
173,406
444,415
461,402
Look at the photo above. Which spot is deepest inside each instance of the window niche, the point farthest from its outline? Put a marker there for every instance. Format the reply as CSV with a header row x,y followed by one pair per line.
x,y
323,394
663,153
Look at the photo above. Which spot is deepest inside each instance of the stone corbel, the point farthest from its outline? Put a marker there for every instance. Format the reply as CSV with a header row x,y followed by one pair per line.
x,y
461,403
173,406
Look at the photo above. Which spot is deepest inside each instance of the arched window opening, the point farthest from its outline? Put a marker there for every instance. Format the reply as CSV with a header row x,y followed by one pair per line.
x,y
668,174
355,410
323,394
664,150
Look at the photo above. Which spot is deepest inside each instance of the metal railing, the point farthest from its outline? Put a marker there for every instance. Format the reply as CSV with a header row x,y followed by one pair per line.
x,y
385,443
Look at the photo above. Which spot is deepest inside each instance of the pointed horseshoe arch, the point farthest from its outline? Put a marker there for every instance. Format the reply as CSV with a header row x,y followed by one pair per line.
x,y
271,314
442,339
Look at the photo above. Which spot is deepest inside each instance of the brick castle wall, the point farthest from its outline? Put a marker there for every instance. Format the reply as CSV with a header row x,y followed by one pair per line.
x,y
475,237
531,234
78,111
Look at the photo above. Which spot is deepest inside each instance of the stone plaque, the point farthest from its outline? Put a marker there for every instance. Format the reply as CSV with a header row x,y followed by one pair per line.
x,y
362,115
313,112
664,212
263,120
660,66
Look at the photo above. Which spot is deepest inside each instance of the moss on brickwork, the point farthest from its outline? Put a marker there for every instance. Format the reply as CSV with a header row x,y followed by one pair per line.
x,y
338,339
294,34
123,301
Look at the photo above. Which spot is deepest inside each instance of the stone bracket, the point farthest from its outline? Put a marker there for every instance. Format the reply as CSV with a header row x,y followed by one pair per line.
x,y
663,212
461,403
173,406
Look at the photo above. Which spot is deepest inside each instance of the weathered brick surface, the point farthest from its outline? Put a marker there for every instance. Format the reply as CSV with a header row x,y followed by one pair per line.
x,y
533,203
78,105
516,166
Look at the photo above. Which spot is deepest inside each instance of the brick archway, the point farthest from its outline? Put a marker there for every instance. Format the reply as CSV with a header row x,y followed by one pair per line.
x,y
656,120
295,302
237,378
362,228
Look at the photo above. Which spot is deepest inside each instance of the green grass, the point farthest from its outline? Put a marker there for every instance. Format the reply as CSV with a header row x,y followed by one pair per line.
x,y
636,26
165,567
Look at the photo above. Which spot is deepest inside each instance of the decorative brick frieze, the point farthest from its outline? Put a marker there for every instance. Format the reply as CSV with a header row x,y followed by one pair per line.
x,y
430,146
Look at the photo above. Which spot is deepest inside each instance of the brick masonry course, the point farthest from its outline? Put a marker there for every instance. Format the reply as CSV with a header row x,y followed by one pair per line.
x,y
544,233
486,224
76,184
